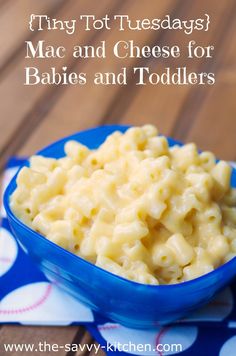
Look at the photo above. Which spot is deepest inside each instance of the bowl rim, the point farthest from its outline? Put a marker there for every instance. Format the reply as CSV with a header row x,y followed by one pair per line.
x,y
167,287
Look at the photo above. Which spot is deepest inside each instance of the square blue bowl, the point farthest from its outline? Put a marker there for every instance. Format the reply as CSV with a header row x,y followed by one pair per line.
x,y
129,303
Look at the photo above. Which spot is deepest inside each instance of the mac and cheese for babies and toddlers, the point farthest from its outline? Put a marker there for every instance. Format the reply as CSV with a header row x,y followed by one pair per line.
x,y
136,207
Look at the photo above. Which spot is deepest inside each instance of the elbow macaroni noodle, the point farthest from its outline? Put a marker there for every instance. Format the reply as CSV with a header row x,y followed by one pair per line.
x,y
136,207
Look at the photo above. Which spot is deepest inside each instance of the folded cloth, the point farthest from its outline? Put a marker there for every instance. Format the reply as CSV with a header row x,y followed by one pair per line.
x,y
28,297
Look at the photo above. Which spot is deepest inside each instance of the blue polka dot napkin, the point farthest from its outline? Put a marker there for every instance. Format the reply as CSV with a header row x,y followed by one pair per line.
x,y
27,297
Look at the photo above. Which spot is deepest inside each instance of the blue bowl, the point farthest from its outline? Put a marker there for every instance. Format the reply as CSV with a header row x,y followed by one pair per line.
x,y
129,303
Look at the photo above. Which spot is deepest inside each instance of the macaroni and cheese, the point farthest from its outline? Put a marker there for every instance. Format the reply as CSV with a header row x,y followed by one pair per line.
x,y
136,207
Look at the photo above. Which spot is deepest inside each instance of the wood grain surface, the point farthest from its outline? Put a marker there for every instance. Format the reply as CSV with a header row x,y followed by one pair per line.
x,y
31,118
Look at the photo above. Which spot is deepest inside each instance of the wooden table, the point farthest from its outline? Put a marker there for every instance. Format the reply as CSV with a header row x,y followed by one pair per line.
x,y
32,117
